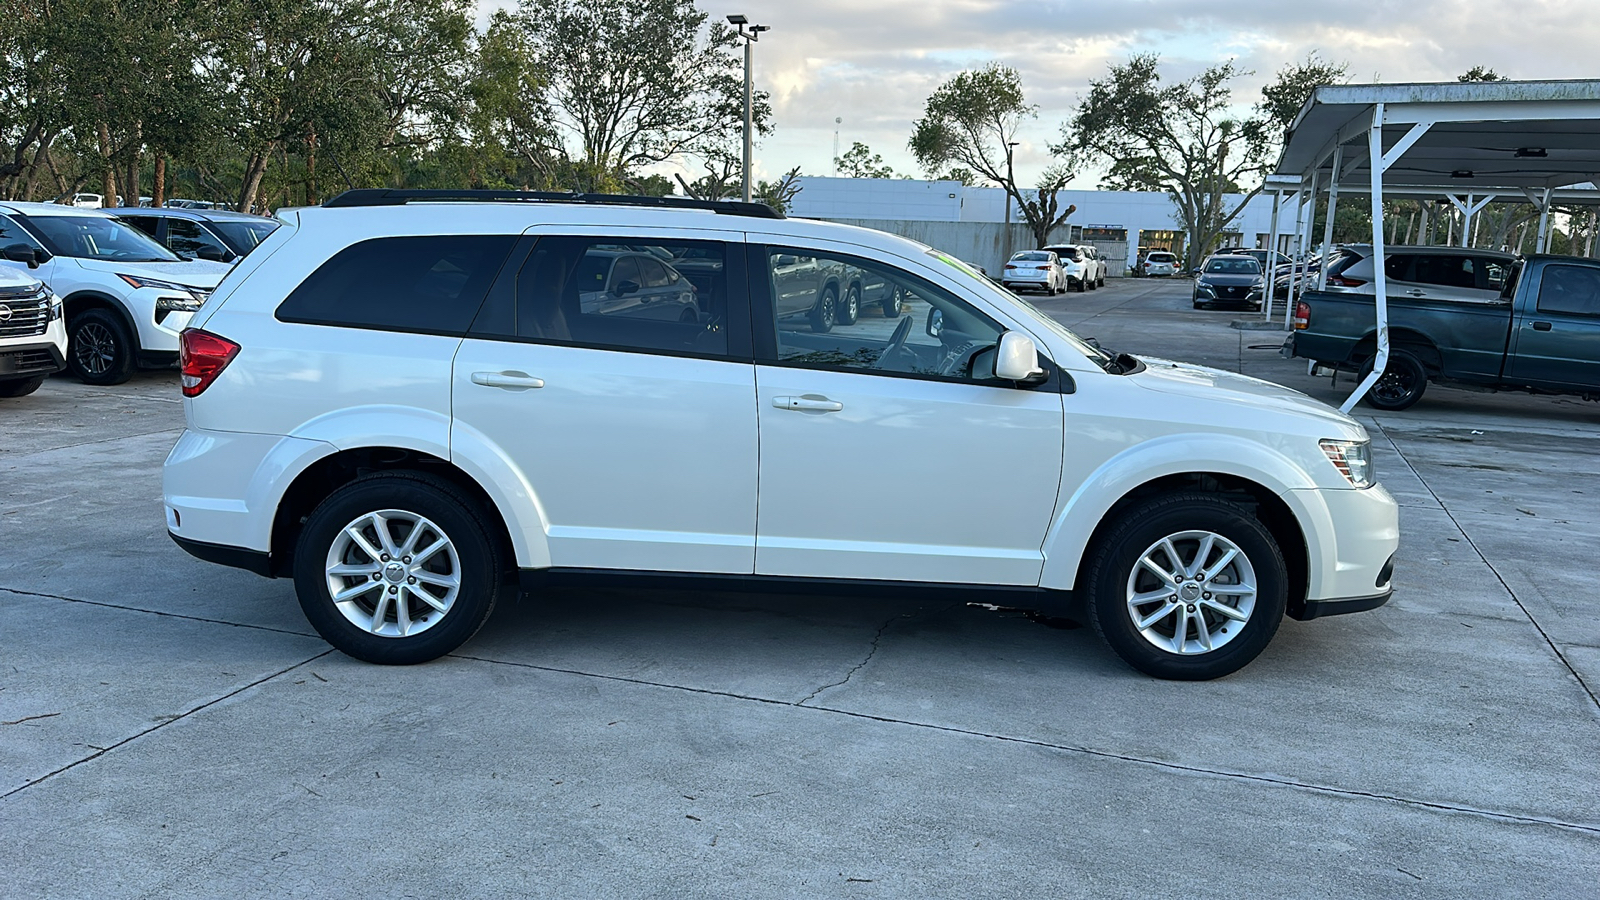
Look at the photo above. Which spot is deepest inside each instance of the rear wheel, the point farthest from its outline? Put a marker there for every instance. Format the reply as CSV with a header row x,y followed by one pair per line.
x,y
1401,384
850,309
893,303
1187,587
397,568
99,348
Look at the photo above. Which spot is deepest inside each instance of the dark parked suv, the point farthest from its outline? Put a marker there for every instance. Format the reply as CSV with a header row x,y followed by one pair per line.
x,y
214,234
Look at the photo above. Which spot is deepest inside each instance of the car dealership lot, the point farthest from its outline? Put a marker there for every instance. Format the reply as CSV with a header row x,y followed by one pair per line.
x,y
175,728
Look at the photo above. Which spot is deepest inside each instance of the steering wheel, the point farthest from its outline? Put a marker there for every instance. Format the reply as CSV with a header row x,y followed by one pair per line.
x,y
896,352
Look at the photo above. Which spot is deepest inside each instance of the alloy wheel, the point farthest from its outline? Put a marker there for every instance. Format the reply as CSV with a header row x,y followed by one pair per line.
x,y
393,573
1191,592
94,348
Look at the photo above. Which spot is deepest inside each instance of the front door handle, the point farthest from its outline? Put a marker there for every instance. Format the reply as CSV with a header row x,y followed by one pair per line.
x,y
1416,293
511,381
809,402
1541,326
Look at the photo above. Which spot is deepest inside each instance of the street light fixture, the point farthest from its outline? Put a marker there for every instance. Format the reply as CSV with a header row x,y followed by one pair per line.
x,y
750,37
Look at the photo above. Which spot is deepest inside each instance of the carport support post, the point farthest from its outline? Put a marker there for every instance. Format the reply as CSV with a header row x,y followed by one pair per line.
x,y
1272,250
1380,279
1544,223
1333,204
1303,225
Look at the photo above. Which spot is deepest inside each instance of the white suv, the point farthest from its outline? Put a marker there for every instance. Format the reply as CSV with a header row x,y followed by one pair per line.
x,y
33,340
403,398
126,296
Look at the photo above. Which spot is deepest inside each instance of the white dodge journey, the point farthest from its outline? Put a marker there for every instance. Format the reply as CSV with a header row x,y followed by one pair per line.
x,y
405,400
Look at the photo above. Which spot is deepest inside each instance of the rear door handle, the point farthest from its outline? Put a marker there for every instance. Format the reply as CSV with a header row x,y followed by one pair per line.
x,y
808,402
511,381
1541,326
1416,293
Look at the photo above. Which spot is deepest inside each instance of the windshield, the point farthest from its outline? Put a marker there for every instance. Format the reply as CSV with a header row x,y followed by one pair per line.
x,y
1001,296
1241,266
244,236
1032,256
98,237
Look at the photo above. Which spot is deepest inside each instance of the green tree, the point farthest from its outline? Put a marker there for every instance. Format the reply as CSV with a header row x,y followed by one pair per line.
x,y
860,162
1479,73
779,193
1187,137
971,121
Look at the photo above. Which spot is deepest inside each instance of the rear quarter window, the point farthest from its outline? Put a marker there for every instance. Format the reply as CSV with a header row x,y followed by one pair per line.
x,y
431,285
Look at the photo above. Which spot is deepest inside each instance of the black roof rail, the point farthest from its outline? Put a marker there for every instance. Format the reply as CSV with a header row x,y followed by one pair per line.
x,y
389,197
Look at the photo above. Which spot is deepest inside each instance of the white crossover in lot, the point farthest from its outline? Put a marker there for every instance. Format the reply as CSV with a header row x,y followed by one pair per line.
x,y
408,402
33,337
1160,263
1035,270
126,296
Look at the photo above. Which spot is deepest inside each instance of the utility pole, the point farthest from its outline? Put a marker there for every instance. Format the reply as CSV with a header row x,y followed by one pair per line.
x,y
750,37
837,121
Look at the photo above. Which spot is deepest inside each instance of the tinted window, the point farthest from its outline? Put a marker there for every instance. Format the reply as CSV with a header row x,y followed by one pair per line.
x,y
665,296
98,237
1493,273
12,233
189,238
244,235
1574,290
145,224
1446,271
1398,268
934,333
1241,266
426,284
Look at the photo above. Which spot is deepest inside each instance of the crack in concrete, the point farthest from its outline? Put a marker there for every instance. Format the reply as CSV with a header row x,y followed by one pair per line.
x,y
871,652
162,724
1548,640
1347,793
154,612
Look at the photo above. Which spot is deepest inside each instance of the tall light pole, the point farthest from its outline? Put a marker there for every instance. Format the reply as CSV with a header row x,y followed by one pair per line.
x,y
750,37
1011,179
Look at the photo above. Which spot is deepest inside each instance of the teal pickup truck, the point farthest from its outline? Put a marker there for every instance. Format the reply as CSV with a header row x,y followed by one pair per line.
x,y
1542,334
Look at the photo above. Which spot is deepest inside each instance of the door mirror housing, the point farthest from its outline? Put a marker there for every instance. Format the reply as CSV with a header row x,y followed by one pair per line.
x,y
214,254
625,288
785,259
935,322
22,253
1017,359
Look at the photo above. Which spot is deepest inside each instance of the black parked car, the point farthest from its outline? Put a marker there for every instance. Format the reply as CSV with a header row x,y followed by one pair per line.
x,y
1228,279
214,234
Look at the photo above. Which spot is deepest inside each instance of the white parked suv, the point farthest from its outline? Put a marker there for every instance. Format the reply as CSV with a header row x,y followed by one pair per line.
x,y
126,296
1082,265
402,400
33,337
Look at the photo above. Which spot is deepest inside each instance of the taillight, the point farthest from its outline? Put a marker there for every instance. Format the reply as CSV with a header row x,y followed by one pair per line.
x,y
1341,281
202,357
1302,315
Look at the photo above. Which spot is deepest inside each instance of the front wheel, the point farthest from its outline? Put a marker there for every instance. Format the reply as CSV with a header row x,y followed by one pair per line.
x,y
850,309
893,303
824,313
1187,587
397,568
99,348
20,387
1401,384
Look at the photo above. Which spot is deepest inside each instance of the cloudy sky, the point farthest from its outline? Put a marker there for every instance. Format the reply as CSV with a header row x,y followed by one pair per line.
x,y
872,63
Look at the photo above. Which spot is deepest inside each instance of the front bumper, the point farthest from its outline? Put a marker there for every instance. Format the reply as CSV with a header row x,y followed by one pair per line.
x,y
1352,537
1205,293
28,360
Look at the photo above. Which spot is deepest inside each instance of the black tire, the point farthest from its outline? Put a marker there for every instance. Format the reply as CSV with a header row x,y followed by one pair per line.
x,y
99,348
1101,281
20,387
893,303
1081,286
1113,570
825,313
478,567
1401,385
850,309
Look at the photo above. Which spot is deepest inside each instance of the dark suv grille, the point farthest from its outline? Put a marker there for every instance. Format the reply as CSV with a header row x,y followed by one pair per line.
x,y
25,316
28,362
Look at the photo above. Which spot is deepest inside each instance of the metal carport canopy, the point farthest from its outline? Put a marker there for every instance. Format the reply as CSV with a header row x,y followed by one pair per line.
x,y
1479,137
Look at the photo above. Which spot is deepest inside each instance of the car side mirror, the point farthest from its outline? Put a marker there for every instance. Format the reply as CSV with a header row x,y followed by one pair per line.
x,y
22,253
624,288
214,254
786,260
935,322
1016,358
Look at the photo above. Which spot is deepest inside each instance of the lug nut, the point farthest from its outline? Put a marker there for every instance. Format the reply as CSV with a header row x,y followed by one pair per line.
x,y
376,576
1191,606
406,560
413,580
1206,595
395,590
384,557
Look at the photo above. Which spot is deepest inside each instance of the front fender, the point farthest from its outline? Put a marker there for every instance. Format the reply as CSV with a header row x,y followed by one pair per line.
x,y
1081,512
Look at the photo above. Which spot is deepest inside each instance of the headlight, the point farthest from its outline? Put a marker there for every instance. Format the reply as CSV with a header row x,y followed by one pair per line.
x,y
56,308
177,304
198,294
1353,459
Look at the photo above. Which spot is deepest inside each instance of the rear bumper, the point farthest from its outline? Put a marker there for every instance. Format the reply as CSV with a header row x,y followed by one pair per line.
x,y
221,554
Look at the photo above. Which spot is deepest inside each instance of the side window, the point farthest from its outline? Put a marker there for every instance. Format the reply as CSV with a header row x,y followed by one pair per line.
x,y
899,324
189,238
1398,268
655,295
1492,273
145,224
423,284
1573,290
1445,271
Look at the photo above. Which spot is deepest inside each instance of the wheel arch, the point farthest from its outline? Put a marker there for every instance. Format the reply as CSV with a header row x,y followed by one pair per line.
x,y
85,300
328,473
1280,496
1414,342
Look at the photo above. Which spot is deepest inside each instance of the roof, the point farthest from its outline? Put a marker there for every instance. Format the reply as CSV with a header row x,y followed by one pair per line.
x,y
179,212
49,209
1483,135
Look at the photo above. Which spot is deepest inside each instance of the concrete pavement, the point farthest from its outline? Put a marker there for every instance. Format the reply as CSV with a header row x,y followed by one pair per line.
x,y
176,729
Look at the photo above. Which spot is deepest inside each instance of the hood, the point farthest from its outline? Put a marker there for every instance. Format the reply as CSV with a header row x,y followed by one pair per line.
x,y
198,273
1205,383
16,281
